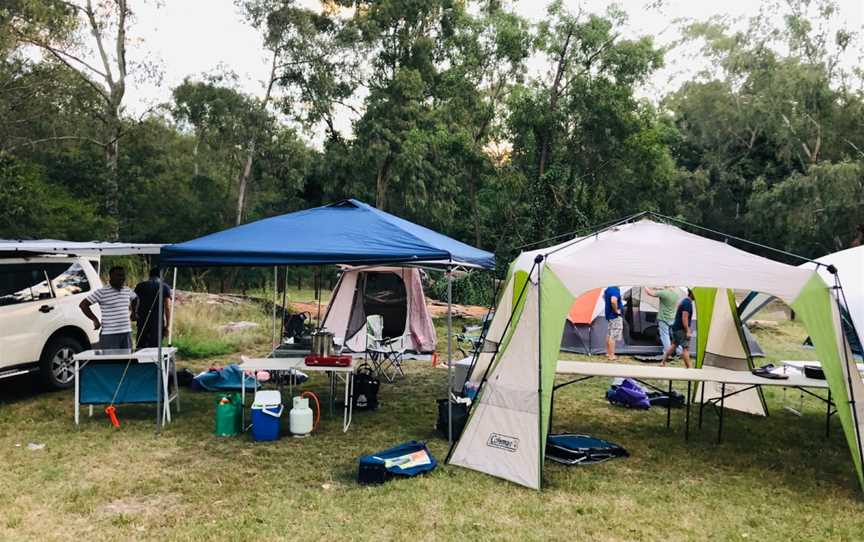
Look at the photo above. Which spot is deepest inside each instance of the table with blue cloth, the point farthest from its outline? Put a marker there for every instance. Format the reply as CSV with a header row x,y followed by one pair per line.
x,y
113,377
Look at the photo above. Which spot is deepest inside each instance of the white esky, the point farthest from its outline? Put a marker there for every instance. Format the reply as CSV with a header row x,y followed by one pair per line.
x,y
188,38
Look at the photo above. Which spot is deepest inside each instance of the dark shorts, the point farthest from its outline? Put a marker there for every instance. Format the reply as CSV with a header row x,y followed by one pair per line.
x,y
115,341
679,338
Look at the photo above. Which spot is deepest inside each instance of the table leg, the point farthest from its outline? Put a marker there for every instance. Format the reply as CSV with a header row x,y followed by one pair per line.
x,y
166,404
722,403
176,383
77,396
669,406
828,416
242,401
346,420
687,414
701,402
332,376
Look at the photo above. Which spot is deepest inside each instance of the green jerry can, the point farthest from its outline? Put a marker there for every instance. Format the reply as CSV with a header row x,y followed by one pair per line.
x,y
228,415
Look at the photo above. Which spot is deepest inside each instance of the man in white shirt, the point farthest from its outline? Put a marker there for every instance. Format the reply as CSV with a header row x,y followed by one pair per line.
x,y
118,304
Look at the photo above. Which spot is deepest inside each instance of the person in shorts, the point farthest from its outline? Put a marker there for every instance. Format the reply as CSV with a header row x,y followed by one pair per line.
x,y
118,309
681,330
668,301
614,321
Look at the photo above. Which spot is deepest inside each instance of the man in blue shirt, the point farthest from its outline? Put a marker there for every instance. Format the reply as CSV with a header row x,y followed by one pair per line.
x,y
681,330
614,322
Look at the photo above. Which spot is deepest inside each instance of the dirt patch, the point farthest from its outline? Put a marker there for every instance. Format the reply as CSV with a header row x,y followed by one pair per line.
x,y
439,308
144,506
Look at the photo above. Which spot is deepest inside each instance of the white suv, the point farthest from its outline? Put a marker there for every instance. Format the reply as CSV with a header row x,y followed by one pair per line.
x,y
41,325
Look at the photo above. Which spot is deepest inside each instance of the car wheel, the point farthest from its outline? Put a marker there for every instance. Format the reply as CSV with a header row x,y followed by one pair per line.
x,y
57,366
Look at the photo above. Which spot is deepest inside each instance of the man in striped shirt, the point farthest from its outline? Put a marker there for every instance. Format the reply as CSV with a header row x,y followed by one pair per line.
x,y
118,304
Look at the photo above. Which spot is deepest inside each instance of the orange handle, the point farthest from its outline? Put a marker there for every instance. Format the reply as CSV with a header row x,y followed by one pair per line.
x,y
317,407
112,415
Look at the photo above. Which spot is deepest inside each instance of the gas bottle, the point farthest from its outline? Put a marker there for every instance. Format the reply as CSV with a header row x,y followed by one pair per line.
x,y
300,417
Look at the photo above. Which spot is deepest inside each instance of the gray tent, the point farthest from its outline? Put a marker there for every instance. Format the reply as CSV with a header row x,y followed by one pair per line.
x,y
585,326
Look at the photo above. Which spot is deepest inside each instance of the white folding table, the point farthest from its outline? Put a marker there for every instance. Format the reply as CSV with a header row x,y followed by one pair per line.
x,y
336,373
144,355
723,377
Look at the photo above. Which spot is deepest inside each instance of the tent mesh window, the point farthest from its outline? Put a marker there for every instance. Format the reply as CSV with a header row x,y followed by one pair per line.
x,y
385,294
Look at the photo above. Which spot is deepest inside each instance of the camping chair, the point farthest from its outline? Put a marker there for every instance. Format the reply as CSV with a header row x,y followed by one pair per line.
x,y
384,353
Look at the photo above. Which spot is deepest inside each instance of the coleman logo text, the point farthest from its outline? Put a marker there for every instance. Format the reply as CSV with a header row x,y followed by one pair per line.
x,y
503,442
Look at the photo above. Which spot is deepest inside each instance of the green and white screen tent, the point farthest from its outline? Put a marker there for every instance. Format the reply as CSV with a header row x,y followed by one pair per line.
x,y
721,343
507,428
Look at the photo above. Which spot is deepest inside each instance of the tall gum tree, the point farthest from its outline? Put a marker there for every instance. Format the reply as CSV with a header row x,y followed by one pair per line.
x,y
92,42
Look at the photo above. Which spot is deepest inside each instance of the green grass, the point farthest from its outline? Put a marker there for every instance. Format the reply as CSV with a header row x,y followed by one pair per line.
x,y
774,478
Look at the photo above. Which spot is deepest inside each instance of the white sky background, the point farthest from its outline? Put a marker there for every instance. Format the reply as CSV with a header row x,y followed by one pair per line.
x,y
193,37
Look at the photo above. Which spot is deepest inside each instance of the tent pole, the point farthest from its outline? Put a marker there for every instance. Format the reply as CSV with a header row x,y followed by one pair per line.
x,y
841,294
275,299
285,294
159,320
449,354
538,260
173,297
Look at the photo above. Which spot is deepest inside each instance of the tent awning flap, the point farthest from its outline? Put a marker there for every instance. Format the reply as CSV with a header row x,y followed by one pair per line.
x,y
348,232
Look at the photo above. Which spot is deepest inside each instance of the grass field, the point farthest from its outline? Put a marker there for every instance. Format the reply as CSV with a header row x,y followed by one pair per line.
x,y
776,478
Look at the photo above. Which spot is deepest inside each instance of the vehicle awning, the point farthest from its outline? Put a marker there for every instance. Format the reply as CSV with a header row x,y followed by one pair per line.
x,y
13,248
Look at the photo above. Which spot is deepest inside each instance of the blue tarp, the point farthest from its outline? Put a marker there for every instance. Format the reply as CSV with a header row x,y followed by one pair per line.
x,y
348,232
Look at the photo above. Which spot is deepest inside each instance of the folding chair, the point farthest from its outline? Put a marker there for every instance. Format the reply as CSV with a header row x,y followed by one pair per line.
x,y
384,353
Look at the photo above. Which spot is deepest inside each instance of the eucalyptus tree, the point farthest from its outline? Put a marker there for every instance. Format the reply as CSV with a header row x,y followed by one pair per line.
x,y
90,40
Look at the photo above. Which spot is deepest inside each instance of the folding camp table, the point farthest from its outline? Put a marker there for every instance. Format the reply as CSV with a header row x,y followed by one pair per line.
x,y
737,381
291,364
111,370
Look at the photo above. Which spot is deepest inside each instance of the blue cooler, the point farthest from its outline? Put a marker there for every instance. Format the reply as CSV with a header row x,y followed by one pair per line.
x,y
266,413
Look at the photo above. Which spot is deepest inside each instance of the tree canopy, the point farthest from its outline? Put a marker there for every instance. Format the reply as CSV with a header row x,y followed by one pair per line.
x,y
449,125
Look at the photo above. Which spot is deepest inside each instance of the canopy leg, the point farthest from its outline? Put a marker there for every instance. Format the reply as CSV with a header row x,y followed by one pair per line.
x,y
275,299
173,298
449,354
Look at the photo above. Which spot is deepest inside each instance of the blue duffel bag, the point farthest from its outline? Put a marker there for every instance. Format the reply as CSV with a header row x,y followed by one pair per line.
x,y
405,460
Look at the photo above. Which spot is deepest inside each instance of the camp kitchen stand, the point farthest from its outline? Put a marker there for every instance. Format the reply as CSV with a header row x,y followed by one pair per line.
x,y
288,365
118,370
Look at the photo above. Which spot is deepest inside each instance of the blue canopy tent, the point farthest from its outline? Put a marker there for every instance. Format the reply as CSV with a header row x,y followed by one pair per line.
x,y
348,232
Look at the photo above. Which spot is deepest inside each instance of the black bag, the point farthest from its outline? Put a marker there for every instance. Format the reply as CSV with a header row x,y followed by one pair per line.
x,y
366,388
663,399
295,324
460,418
814,371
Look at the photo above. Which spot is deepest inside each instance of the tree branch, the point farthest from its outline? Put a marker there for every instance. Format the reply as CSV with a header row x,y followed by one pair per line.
x,y
35,142
94,30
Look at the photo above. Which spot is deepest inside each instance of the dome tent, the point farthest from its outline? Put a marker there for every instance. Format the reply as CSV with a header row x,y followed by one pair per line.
x,y
585,328
395,293
506,431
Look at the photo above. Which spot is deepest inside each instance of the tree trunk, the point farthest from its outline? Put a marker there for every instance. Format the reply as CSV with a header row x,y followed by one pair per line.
x,y
244,183
472,196
112,184
246,174
195,156
546,135
381,184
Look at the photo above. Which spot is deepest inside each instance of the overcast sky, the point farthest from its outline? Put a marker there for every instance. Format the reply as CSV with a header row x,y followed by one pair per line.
x,y
191,37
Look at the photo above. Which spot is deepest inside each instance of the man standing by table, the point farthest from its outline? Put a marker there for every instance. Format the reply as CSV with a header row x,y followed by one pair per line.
x,y
118,304
148,315
668,298
681,330
614,321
